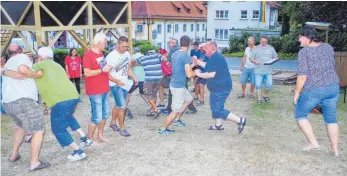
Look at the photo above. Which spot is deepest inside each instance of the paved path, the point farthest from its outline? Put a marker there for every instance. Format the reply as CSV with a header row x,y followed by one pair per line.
x,y
234,64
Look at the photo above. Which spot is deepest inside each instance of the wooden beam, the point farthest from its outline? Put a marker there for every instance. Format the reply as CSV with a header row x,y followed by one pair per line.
x,y
38,22
127,5
51,14
78,39
130,34
55,38
90,20
4,47
24,13
46,38
24,39
100,14
6,15
78,14
18,28
85,35
67,28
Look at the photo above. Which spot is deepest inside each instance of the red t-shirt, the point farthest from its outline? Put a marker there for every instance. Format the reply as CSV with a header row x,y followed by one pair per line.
x,y
73,66
97,84
167,69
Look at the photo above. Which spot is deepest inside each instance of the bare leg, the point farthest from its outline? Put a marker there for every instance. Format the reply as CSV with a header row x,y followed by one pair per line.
x,y
202,92
80,132
243,86
127,100
333,133
219,122
306,128
91,130
196,90
121,117
153,105
233,117
17,140
115,112
252,89
184,108
259,94
161,95
35,147
172,116
101,127
74,146
266,92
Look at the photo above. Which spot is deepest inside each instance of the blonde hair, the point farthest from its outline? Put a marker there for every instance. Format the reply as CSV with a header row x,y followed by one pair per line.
x,y
99,37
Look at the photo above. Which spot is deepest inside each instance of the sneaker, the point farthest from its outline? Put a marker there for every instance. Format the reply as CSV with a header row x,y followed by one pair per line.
x,y
190,112
85,142
124,133
178,123
115,127
128,113
77,155
166,131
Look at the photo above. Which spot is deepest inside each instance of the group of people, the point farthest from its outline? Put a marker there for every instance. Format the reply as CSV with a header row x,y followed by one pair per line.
x,y
121,73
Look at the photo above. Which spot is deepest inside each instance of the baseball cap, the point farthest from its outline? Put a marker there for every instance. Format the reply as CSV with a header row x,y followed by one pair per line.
x,y
45,52
162,51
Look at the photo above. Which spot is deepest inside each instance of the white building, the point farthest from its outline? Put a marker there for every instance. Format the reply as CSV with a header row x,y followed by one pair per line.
x,y
225,18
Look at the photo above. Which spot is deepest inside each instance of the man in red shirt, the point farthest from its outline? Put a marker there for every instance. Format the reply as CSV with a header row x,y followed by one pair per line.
x,y
97,88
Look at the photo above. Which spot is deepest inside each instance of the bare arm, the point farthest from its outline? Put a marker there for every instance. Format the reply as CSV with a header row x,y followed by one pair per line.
x,y
131,73
201,63
29,73
189,71
13,74
67,70
243,61
88,72
300,82
206,75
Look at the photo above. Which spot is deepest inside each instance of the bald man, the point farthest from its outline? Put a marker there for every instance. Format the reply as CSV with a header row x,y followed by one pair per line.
x,y
247,69
219,83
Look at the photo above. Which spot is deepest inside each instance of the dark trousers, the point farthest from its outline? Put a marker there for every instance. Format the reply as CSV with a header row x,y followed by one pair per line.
x,y
190,107
76,81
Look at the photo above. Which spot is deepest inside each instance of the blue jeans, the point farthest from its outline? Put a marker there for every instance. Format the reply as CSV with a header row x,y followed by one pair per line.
x,y
248,73
119,96
99,107
217,101
61,119
259,81
327,97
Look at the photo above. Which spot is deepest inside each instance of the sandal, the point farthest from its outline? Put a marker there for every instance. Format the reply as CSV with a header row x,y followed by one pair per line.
x,y
215,127
45,112
242,124
259,102
156,113
150,113
200,103
42,165
16,159
266,99
241,96
251,96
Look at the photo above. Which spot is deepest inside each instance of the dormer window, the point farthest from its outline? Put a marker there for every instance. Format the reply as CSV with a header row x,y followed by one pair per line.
x,y
188,10
178,9
201,11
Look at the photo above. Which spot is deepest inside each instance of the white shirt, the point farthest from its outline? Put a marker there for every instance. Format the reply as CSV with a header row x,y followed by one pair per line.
x,y
13,89
120,63
248,53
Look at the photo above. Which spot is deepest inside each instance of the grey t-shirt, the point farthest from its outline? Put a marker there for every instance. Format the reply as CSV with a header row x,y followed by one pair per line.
x,y
179,59
263,54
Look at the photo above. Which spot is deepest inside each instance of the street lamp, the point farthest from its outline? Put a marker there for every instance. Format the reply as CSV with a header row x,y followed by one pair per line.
x,y
149,21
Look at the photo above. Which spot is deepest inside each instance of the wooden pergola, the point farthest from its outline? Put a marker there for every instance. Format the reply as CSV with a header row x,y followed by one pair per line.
x,y
40,17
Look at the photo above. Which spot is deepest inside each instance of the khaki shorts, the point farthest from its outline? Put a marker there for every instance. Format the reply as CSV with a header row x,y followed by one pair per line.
x,y
179,97
26,114
151,90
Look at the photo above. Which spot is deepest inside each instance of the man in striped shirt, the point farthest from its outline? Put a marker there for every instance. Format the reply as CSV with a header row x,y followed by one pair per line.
x,y
153,75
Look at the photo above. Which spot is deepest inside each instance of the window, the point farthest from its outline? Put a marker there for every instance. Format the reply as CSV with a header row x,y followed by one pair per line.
x,y
184,28
243,14
159,28
169,28
222,34
203,27
178,10
203,39
139,28
255,14
201,11
222,14
192,27
159,45
176,28
198,27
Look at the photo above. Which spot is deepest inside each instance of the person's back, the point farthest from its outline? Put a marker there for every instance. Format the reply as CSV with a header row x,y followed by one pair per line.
x,y
152,67
54,86
14,89
138,69
222,79
319,65
179,59
263,54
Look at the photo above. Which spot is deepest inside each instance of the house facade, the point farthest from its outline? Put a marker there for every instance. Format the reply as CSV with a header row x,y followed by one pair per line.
x,y
225,18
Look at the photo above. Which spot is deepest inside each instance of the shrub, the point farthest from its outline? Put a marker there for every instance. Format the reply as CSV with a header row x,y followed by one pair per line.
x,y
144,46
276,42
60,54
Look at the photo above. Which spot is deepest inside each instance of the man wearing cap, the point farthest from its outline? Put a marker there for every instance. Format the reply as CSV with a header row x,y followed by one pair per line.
x,y
20,96
151,64
62,97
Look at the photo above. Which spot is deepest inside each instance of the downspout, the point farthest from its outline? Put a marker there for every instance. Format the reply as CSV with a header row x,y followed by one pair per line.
x,y
165,43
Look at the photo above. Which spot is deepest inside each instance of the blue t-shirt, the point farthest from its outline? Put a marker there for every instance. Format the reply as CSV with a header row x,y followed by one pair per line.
x,y
179,59
195,53
152,67
222,80
204,58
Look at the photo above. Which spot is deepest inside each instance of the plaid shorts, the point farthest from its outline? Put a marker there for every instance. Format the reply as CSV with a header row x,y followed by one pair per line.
x,y
27,114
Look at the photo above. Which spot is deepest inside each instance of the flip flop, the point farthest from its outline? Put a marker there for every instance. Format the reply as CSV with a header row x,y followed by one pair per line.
x,y
16,159
42,165
215,127
150,113
241,96
242,125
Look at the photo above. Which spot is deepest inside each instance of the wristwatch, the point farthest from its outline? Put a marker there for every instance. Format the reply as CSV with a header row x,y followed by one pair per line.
x,y
3,71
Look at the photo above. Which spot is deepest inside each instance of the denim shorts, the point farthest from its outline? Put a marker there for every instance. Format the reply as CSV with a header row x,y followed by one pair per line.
x,y
119,96
259,79
99,107
327,97
217,101
248,73
201,81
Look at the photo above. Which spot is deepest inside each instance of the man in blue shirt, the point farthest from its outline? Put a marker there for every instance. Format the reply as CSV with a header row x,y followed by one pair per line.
x,y
181,97
219,83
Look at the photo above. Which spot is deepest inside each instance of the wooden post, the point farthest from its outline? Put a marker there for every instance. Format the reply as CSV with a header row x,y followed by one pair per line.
x,y
85,35
38,23
90,21
149,31
130,30
46,38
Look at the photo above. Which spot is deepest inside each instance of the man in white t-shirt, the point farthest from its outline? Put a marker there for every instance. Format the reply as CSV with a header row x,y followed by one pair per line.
x,y
247,69
20,96
120,83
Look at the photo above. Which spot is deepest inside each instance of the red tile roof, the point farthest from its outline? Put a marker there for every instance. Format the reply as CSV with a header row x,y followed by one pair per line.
x,y
273,4
194,10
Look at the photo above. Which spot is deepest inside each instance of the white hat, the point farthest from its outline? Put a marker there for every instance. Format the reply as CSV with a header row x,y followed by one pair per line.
x,y
202,45
45,52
